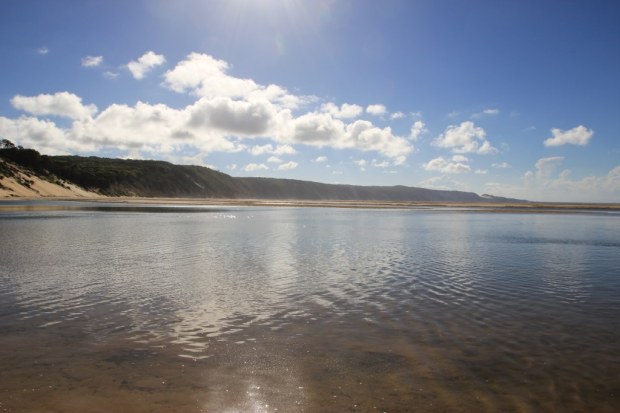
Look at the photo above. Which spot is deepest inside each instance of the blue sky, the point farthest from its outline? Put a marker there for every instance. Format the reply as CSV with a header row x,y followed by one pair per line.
x,y
512,98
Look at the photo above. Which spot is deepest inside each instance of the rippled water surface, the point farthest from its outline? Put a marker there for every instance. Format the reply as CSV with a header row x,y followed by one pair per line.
x,y
180,309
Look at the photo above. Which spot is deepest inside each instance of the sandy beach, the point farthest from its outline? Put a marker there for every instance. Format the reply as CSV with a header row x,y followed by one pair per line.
x,y
78,194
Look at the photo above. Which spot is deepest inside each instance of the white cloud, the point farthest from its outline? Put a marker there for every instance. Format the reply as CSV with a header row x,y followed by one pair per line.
x,y
561,188
376,110
346,111
206,76
399,160
320,129
380,164
457,165
364,136
228,112
216,125
231,167
265,111
445,183
43,50
270,149
232,116
59,104
460,158
150,128
503,165
252,167
417,129
360,162
145,63
43,135
320,159
546,166
274,159
465,138
481,171
284,150
110,75
486,112
397,115
92,61
261,149
579,135
287,166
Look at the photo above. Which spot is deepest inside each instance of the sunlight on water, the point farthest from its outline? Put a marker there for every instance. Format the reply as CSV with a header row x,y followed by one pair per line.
x,y
293,309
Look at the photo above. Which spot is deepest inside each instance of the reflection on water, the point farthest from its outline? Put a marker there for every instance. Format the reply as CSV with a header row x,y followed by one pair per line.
x,y
259,309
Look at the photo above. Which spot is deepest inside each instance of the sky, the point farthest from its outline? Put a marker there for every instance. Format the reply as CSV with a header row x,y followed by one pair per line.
x,y
510,98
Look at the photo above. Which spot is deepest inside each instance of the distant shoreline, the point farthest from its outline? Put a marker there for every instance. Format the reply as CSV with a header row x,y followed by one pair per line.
x,y
525,207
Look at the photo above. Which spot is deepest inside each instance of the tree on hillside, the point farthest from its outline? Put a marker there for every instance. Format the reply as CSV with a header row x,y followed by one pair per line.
x,y
6,144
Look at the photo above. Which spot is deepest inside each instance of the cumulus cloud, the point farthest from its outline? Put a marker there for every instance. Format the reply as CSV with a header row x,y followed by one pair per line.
x,y
205,76
233,117
261,149
63,104
345,111
320,129
43,50
376,110
579,135
227,113
321,159
216,125
145,63
41,134
397,115
287,166
92,61
417,129
465,138
274,159
458,164
502,165
252,167
270,149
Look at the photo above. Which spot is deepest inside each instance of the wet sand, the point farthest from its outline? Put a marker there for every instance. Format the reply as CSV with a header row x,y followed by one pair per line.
x,y
525,207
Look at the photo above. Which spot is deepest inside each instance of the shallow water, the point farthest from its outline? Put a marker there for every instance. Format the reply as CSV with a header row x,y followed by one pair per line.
x,y
162,309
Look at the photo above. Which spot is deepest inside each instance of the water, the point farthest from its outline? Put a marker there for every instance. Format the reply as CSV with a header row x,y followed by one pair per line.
x,y
107,307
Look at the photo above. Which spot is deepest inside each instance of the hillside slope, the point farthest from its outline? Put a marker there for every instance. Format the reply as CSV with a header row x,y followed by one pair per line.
x,y
17,181
122,177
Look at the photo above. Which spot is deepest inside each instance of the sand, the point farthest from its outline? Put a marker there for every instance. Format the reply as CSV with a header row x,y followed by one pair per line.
x,y
13,187
42,189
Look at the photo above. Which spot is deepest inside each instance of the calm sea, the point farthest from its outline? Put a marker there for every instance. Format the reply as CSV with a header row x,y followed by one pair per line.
x,y
125,308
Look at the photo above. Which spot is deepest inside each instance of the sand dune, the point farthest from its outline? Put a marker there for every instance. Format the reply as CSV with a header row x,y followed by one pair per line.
x,y
25,185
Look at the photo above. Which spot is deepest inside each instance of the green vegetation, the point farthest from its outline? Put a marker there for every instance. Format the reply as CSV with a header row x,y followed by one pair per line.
x,y
124,177
118,177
